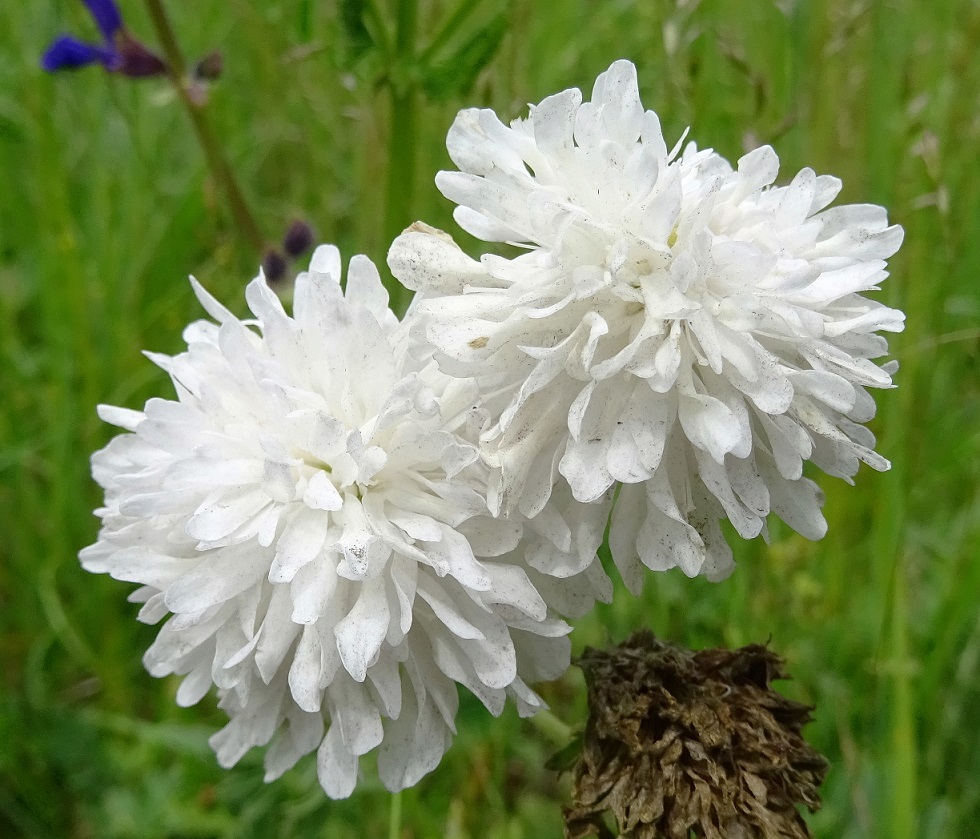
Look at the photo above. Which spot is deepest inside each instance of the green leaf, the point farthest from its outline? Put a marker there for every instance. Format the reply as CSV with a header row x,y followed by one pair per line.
x,y
564,759
11,121
357,36
455,74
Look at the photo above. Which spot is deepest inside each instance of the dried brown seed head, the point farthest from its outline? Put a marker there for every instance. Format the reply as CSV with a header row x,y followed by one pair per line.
x,y
680,743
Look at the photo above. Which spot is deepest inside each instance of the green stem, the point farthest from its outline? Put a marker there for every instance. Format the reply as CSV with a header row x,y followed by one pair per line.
x,y
217,163
904,749
406,23
401,135
401,163
557,731
395,816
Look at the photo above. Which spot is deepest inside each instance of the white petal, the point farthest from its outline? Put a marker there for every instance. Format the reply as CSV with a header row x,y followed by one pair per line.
x,y
217,519
303,735
304,672
413,745
616,93
553,122
709,424
210,304
321,494
121,417
511,586
335,766
301,541
223,574
361,633
356,716
364,286
428,261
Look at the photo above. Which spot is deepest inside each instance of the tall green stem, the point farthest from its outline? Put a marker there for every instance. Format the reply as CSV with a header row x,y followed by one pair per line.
x,y
395,816
401,136
217,163
401,163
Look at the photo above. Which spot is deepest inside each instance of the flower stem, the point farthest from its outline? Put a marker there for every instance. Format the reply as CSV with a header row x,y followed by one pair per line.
x,y
401,136
557,731
395,816
217,163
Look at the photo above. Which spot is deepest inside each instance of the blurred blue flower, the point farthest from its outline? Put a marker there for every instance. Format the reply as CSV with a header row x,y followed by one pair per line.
x,y
119,51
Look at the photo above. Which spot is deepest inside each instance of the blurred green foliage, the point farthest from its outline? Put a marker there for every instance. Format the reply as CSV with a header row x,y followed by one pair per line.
x,y
106,206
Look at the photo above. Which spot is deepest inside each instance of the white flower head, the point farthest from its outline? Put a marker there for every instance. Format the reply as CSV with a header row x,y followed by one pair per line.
x,y
310,514
679,327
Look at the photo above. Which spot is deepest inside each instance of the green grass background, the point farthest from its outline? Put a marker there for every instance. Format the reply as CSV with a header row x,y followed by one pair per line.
x,y
106,206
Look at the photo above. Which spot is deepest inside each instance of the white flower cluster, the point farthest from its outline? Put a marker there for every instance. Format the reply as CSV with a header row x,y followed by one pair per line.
x,y
675,327
311,512
343,516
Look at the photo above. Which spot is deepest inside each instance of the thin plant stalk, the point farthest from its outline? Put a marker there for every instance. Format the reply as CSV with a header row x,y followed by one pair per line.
x,y
401,137
555,730
210,145
395,816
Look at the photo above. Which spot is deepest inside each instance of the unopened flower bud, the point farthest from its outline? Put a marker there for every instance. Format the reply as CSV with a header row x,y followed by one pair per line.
x,y
298,238
210,67
136,60
274,265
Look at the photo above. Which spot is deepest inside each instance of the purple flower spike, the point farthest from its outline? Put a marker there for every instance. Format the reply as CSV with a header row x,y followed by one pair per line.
x,y
136,61
107,18
68,53
119,51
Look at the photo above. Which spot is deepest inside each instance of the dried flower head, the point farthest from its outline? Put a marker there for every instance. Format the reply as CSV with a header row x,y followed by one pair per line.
x,y
680,742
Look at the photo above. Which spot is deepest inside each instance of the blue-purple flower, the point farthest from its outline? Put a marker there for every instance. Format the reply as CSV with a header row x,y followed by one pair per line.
x,y
119,51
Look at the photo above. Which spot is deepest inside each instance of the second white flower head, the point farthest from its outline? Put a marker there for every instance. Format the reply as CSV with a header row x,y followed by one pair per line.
x,y
678,326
